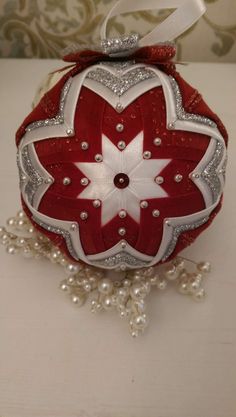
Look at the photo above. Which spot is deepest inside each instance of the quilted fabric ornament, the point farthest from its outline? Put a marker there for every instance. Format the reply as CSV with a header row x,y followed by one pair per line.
x,y
122,164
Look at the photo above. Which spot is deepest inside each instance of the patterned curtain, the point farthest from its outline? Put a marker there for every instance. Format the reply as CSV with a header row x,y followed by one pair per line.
x,y
43,28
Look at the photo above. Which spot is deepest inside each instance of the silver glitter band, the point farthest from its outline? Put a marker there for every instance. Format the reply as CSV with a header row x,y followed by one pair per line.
x,y
177,231
210,174
121,258
59,231
123,46
35,179
181,113
120,84
59,118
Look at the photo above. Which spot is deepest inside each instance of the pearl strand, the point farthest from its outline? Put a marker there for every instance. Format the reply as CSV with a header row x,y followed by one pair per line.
x,y
83,282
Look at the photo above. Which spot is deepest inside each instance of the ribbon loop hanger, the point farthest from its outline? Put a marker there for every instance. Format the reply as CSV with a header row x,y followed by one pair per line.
x,y
186,14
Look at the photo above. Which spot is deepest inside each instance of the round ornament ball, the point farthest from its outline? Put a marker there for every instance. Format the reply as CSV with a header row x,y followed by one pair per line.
x,y
122,164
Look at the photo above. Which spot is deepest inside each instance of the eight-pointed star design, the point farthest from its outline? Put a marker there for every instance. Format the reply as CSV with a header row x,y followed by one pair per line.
x,y
139,172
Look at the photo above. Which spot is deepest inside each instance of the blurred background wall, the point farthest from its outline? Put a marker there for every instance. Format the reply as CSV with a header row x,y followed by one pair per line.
x,y
43,28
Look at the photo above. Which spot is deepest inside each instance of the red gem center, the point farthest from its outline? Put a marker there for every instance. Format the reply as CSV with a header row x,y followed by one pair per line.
x,y
121,180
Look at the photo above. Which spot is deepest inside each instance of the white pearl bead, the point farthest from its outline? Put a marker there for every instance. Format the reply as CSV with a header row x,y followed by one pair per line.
x,y
27,253
122,231
140,322
121,144
122,293
83,215
200,295
66,181
147,155
157,142
21,242
138,292
156,213
178,178
107,303
96,203
70,132
183,288
84,181
78,299
21,214
98,157
105,286
162,284
64,287
194,285
204,267
11,222
171,274
72,269
12,249
159,180
144,204
84,146
122,214
119,127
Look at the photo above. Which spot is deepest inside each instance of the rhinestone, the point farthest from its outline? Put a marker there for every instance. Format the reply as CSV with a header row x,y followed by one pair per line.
x,y
66,181
156,213
123,244
122,214
147,155
96,203
73,227
144,204
159,180
178,178
122,231
167,222
121,144
98,157
84,181
70,132
84,146
84,215
171,126
157,142
120,127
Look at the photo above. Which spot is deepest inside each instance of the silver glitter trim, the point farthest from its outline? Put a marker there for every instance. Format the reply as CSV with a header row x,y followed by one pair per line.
x,y
121,258
21,173
35,180
181,113
120,84
177,231
59,231
118,66
210,174
59,118
121,45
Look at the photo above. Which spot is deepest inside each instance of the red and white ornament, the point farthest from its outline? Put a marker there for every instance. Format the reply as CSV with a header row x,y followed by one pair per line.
x,y
122,164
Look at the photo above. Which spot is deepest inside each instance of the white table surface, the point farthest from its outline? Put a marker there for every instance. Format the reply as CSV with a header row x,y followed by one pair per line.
x,y
58,361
